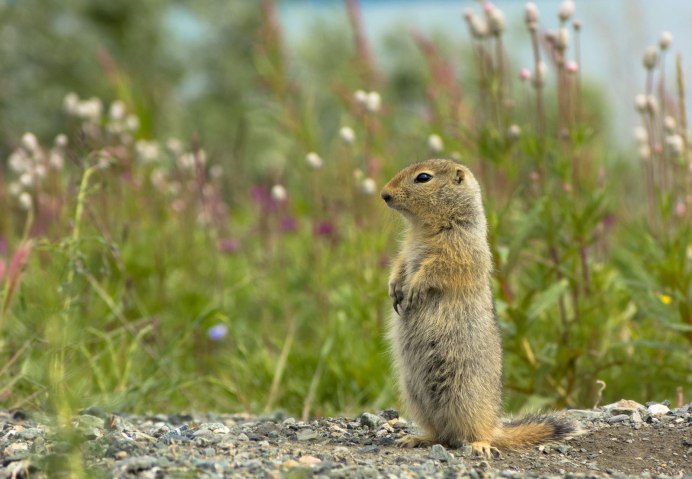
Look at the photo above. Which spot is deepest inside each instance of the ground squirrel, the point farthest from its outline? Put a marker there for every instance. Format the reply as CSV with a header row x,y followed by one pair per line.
x,y
444,335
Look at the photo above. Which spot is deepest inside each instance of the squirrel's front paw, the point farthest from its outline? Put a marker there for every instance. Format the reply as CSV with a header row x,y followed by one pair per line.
x,y
411,298
397,294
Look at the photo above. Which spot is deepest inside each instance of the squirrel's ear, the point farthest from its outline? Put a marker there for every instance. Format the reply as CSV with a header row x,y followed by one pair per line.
x,y
459,176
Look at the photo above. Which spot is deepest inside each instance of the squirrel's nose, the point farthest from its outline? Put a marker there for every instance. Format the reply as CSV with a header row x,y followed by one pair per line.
x,y
386,196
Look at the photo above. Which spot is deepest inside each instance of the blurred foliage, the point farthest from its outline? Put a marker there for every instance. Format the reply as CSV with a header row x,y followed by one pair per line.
x,y
180,253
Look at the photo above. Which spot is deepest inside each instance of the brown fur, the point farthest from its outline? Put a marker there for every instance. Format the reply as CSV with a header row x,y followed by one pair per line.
x,y
444,336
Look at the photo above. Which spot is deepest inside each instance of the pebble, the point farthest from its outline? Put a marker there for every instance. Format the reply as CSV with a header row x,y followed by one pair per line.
x,y
658,409
370,420
215,446
438,452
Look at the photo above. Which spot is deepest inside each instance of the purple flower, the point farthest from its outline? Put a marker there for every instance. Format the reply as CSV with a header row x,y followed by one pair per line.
x,y
325,229
217,332
288,224
228,245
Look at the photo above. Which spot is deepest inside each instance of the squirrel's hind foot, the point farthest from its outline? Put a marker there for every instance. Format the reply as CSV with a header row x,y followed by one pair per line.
x,y
484,449
411,441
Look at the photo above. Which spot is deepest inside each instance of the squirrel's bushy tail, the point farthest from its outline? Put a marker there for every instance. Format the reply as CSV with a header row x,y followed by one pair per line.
x,y
533,430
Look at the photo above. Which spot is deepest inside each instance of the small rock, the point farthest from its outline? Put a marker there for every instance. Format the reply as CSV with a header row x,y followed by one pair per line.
x,y
624,403
243,437
290,463
201,432
370,420
306,435
438,452
370,449
617,419
658,409
136,464
309,460
390,414
636,418
563,448
16,448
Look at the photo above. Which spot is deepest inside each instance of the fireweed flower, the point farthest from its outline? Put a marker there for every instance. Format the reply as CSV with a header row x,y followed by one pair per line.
x,y
324,229
217,332
572,67
228,245
288,224
524,74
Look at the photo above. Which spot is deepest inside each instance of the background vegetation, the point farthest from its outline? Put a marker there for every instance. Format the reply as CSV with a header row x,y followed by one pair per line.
x,y
191,220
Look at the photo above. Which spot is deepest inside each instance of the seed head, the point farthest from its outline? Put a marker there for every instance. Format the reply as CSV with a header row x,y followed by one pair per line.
x,y
373,102
278,193
670,124
566,10
651,104
25,201
477,25
562,40
640,103
531,14
650,58
347,135
360,97
313,160
665,40
640,134
30,142
675,145
435,143
368,187
541,73
513,132
496,21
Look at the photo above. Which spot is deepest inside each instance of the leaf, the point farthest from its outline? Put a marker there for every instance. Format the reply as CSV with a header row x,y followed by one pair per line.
x,y
547,299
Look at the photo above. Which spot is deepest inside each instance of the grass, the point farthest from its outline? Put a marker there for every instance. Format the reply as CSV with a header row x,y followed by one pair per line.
x,y
146,276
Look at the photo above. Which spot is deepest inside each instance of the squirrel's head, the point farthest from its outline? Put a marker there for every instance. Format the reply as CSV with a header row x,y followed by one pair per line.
x,y
436,194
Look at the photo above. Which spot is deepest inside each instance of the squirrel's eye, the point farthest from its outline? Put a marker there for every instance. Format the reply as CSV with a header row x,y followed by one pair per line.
x,y
423,178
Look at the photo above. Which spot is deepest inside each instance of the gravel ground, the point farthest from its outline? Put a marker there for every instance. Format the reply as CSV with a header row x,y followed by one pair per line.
x,y
622,439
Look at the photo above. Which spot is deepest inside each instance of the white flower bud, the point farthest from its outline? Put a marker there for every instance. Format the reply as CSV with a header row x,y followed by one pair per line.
x,y
531,14
71,103
477,26
566,10
56,160
640,134
651,104
278,193
216,172
496,21
665,40
14,189
562,40
360,96
670,124
435,143
541,73
640,103
132,123
147,151
60,141
40,171
347,135
25,201
18,161
644,152
513,132
26,180
117,110
358,174
650,58
175,146
30,142
314,161
368,186
373,102
675,144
